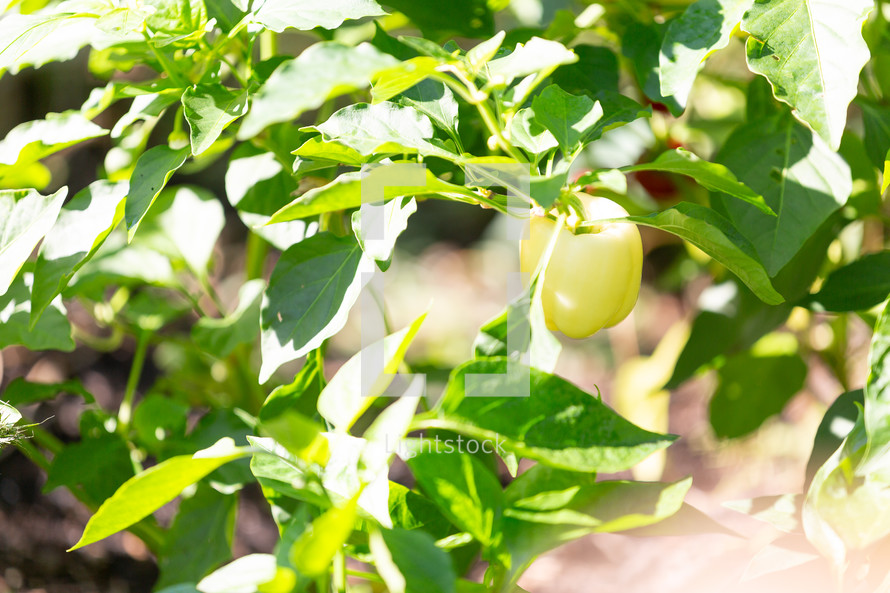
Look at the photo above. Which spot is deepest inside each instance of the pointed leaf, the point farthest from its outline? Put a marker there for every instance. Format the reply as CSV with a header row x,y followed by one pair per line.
x,y
209,108
151,173
811,52
278,15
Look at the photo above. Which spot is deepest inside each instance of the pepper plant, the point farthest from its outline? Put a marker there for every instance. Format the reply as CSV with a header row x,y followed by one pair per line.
x,y
776,194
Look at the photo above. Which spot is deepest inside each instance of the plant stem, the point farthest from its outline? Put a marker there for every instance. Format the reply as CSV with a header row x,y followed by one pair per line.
x,y
340,572
255,260
125,412
268,44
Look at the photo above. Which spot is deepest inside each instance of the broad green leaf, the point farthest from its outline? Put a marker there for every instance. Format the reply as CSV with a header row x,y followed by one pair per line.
x,y
811,52
208,109
799,176
712,176
618,110
316,149
315,549
754,385
537,56
170,228
464,489
323,71
858,286
435,100
258,185
34,40
220,336
34,140
99,465
243,575
463,18
563,516
20,392
280,472
153,169
410,510
558,424
876,121
81,228
300,395
278,15
529,134
148,491
312,288
419,565
729,310
345,192
383,128
713,234
702,29
392,81
479,55
158,421
176,20
300,435
877,390
569,118
641,44
200,538
595,71
25,217
360,380
836,424
391,218
51,332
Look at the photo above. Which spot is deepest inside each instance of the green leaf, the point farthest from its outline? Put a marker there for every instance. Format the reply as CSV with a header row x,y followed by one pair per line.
x,y
712,176
537,56
220,336
82,226
391,218
151,173
729,310
34,40
170,228
641,44
392,81
714,235
244,574
529,134
315,549
280,472
299,435
148,491
464,489
278,15
312,288
858,286
316,149
51,332
323,71
31,141
382,128
595,71
258,185
754,385
464,18
98,465
353,389
569,118
345,192
435,100
20,392
208,109
559,516
798,175
812,54
836,424
301,395
876,121
419,565
158,422
200,538
558,424
25,217
877,389
703,28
